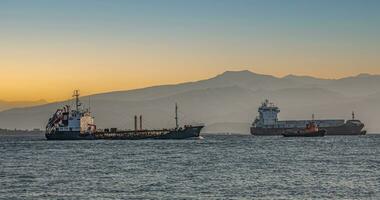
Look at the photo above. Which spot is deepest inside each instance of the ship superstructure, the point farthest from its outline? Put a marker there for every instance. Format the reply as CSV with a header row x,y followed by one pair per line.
x,y
267,123
71,124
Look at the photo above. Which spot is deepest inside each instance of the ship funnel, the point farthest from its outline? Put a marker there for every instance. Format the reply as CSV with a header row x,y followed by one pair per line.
x,y
135,122
141,122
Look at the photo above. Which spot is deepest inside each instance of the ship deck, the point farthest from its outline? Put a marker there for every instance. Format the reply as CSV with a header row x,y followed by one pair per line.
x,y
130,134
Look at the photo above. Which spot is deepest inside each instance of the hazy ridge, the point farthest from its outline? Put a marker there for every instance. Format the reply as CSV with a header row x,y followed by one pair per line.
x,y
231,97
4,105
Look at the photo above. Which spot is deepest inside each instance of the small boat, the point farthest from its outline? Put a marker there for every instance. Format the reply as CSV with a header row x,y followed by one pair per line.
x,y
311,130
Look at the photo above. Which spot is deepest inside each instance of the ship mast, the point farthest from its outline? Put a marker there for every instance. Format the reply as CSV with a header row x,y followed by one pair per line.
x,y
77,103
176,116
89,104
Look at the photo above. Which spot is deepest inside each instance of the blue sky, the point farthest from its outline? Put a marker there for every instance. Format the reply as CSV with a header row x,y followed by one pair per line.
x,y
324,38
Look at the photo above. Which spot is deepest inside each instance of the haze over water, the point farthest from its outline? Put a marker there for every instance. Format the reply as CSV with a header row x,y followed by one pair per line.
x,y
217,167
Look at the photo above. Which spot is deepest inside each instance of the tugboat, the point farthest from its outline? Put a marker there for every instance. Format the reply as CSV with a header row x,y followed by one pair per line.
x,y
311,130
188,131
67,124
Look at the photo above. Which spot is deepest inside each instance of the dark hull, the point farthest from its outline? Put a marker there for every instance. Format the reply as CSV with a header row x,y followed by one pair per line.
x,y
69,135
319,133
130,135
188,132
345,129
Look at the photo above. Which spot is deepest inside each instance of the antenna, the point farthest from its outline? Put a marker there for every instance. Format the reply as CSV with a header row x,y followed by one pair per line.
x,y
353,115
176,116
89,104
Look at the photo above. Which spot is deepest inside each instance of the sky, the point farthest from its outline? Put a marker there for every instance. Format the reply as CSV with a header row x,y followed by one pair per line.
x,y
49,48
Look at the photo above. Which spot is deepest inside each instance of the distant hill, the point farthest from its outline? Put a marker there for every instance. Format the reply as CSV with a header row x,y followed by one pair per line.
x,y
228,98
4,105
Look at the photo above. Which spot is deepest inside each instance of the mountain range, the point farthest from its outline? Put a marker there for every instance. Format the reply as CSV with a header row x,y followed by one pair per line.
x,y
227,100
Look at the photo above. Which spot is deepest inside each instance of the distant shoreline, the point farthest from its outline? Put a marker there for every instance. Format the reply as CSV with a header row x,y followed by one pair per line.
x,y
41,132
18,131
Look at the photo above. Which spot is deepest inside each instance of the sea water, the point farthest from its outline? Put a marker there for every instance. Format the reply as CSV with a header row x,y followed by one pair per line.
x,y
216,167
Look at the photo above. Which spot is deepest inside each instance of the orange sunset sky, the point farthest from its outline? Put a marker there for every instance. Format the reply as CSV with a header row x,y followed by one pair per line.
x,y
49,48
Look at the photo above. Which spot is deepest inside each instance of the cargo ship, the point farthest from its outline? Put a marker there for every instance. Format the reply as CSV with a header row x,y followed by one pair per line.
x,y
267,123
78,124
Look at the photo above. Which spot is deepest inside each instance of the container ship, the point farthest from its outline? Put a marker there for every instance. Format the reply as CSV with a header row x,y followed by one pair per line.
x,y
267,123
78,124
